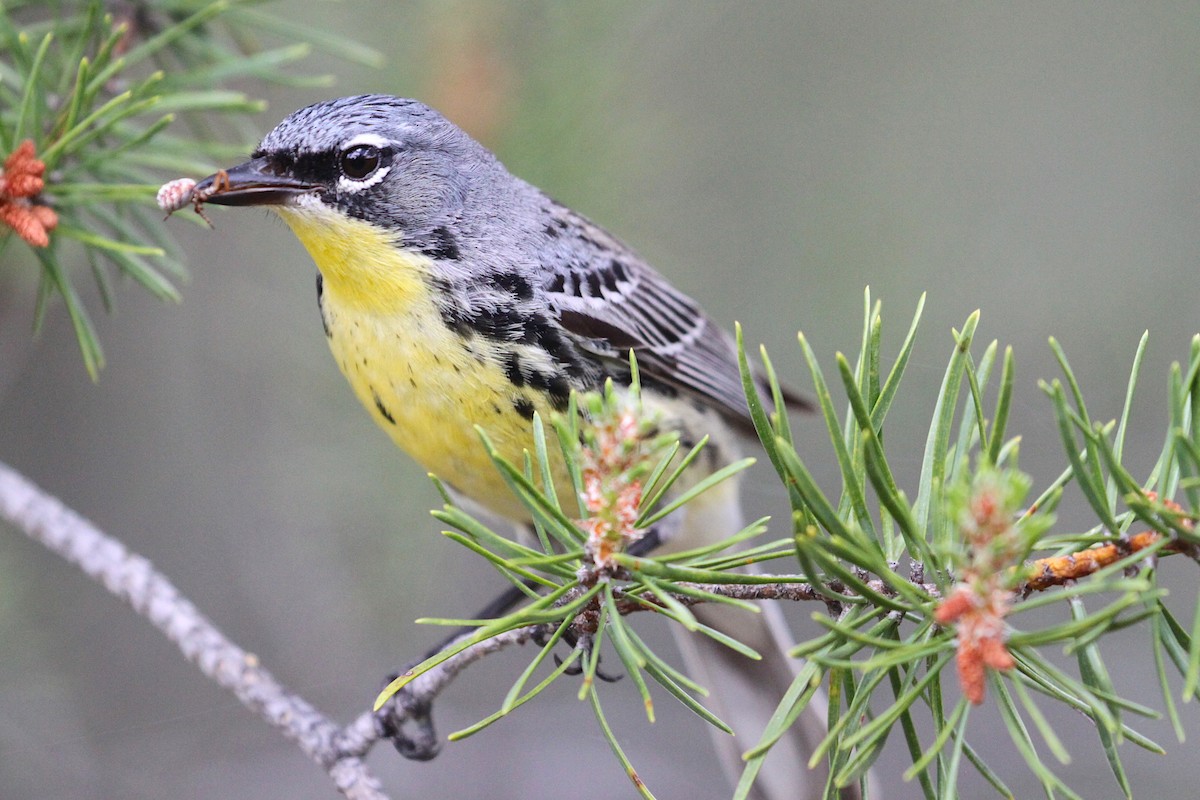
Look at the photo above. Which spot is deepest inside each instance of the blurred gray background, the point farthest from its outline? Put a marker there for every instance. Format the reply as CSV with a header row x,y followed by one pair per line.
x,y
1037,161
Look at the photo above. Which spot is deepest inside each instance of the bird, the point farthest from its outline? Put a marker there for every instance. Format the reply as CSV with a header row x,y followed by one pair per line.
x,y
453,294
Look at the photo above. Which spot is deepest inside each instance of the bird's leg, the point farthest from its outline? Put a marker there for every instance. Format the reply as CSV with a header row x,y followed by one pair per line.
x,y
408,722
412,732
497,606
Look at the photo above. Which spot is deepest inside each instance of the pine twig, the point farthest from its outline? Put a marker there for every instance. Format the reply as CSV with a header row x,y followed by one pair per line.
x,y
1046,573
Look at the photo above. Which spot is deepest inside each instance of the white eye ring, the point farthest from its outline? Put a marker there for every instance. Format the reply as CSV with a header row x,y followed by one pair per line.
x,y
371,139
347,184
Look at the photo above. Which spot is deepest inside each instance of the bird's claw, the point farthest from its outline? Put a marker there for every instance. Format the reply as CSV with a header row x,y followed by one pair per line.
x,y
408,723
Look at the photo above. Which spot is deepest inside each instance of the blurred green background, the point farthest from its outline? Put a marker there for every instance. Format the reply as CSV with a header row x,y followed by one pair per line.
x,y
1038,161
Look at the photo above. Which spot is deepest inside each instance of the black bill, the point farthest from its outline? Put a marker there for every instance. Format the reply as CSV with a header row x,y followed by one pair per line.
x,y
254,183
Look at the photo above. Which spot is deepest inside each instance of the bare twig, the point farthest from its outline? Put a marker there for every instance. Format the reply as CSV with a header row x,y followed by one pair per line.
x,y
134,579
131,577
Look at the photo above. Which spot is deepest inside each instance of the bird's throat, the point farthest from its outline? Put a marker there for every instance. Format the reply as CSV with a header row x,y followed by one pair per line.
x,y
363,264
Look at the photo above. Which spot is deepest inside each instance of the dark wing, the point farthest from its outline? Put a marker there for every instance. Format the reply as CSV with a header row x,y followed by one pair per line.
x,y
611,301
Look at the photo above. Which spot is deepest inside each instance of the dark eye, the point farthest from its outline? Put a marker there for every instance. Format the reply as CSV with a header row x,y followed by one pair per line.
x,y
359,161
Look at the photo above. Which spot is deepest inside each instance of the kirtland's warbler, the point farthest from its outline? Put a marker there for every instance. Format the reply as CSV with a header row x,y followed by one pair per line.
x,y
454,294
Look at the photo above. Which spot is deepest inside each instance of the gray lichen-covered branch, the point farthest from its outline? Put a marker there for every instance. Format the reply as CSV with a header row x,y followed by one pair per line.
x,y
134,579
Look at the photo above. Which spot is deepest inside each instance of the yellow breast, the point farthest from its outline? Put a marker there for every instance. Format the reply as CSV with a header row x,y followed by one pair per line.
x,y
424,384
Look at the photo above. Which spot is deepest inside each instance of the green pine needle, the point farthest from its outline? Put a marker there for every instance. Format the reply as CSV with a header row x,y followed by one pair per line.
x,y
77,82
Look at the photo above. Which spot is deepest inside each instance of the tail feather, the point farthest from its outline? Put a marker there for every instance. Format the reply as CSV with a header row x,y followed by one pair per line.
x,y
744,692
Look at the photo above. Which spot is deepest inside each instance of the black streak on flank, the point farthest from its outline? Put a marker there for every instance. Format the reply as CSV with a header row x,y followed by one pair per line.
x,y
523,407
321,305
554,343
512,369
382,408
453,317
441,245
514,284
560,394
554,385
536,329
499,323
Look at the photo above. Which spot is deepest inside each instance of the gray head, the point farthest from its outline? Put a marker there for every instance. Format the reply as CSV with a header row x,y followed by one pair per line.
x,y
389,161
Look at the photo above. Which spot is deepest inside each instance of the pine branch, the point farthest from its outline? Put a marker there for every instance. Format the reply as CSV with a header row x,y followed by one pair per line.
x,y
968,530
91,103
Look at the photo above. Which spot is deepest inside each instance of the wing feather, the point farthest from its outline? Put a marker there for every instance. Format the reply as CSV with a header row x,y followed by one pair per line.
x,y
610,301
